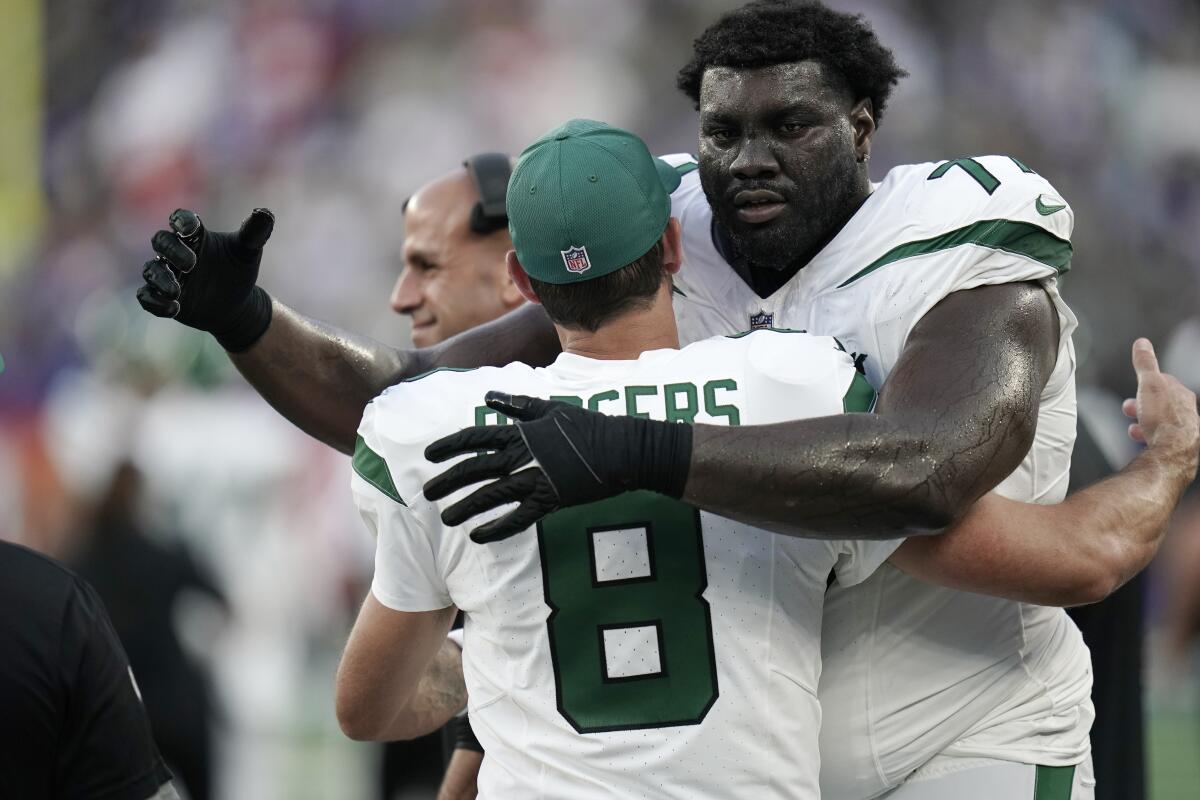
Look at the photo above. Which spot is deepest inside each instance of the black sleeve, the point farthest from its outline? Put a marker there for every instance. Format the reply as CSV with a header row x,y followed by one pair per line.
x,y
464,736
107,751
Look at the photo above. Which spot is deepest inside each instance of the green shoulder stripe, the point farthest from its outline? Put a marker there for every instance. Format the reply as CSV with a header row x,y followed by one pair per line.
x,y
860,396
374,470
1019,238
436,370
684,169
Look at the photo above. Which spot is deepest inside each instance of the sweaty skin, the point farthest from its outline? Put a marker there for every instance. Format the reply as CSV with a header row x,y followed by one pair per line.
x,y
321,377
791,131
956,415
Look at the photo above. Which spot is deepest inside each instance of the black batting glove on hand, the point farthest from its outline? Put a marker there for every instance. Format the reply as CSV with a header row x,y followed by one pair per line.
x,y
207,280
582,456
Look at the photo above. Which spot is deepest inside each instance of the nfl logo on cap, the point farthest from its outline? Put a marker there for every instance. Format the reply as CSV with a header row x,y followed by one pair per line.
x,y
576,259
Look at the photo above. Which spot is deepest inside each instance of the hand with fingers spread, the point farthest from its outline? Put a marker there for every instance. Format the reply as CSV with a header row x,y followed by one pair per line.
x,y
581,456
207,280
1164,410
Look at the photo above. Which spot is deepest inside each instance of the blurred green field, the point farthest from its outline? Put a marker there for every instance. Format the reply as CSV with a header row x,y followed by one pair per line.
x,y
1173,745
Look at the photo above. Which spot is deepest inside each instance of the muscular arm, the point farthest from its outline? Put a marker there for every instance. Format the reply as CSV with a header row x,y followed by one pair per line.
x,y
1086,547
957,415
321,377
399,677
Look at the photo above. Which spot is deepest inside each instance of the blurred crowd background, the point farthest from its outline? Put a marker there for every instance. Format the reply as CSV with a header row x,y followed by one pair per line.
x,y
121,431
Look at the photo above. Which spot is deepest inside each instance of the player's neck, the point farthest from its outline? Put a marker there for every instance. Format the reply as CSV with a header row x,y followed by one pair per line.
x,y
628,336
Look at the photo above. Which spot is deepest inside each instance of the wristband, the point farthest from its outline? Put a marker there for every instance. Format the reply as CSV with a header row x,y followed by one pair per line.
x,y
464,735
666,449
249,323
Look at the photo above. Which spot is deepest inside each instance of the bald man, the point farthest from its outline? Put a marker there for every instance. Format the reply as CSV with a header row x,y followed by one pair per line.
x,y
454,276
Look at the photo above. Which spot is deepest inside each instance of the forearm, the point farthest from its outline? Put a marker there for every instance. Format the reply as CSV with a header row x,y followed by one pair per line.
x,y
1072,553
321,377
441,694
851,476
1129,513
390,711
399,676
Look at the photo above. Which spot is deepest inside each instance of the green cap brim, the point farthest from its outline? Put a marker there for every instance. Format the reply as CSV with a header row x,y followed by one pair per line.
x,y
668,175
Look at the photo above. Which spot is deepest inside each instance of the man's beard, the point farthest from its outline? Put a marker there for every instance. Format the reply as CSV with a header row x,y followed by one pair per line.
x,y
819,203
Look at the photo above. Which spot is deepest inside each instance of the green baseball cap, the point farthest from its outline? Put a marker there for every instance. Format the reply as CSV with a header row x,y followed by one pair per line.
x,y
585,200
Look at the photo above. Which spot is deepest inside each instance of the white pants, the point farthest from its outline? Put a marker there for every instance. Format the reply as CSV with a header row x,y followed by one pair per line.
x,y
987,779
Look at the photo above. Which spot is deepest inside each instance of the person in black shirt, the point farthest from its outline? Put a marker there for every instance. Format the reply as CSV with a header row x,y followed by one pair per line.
x,y
72,725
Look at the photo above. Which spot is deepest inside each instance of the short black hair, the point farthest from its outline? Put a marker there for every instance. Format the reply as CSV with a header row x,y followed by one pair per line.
x,y
590,304
769,32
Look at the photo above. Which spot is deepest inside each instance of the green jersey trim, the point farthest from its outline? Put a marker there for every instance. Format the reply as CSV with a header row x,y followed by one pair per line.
x,y
1053,783
438,369
752,330
1019,238
374,470
860,396
685,168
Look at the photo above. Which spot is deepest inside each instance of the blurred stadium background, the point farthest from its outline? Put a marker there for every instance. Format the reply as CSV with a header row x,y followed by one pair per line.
x,y
331,112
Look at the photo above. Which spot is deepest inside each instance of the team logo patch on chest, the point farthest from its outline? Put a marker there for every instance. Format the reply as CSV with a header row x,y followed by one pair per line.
x,y
763,319
576,259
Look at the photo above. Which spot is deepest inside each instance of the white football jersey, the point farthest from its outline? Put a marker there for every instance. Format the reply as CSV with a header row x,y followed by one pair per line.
x,y
633,647
914,670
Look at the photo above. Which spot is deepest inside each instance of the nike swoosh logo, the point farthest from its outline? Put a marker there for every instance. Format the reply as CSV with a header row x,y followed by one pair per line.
x,y
1047,210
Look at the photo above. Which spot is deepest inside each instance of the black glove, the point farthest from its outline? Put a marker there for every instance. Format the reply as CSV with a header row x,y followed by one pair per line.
x,y
582,456
207,280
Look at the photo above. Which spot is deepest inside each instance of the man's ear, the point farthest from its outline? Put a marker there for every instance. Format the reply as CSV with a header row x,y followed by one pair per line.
x,y
510,293
519,277
672,240
862,120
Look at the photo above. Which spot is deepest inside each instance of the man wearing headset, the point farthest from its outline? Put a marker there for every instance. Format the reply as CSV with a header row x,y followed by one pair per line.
x,y
454,279
455,238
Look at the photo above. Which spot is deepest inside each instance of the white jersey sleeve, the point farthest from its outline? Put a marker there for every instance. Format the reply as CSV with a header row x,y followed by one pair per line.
x,y
859,558
964,224
409,556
